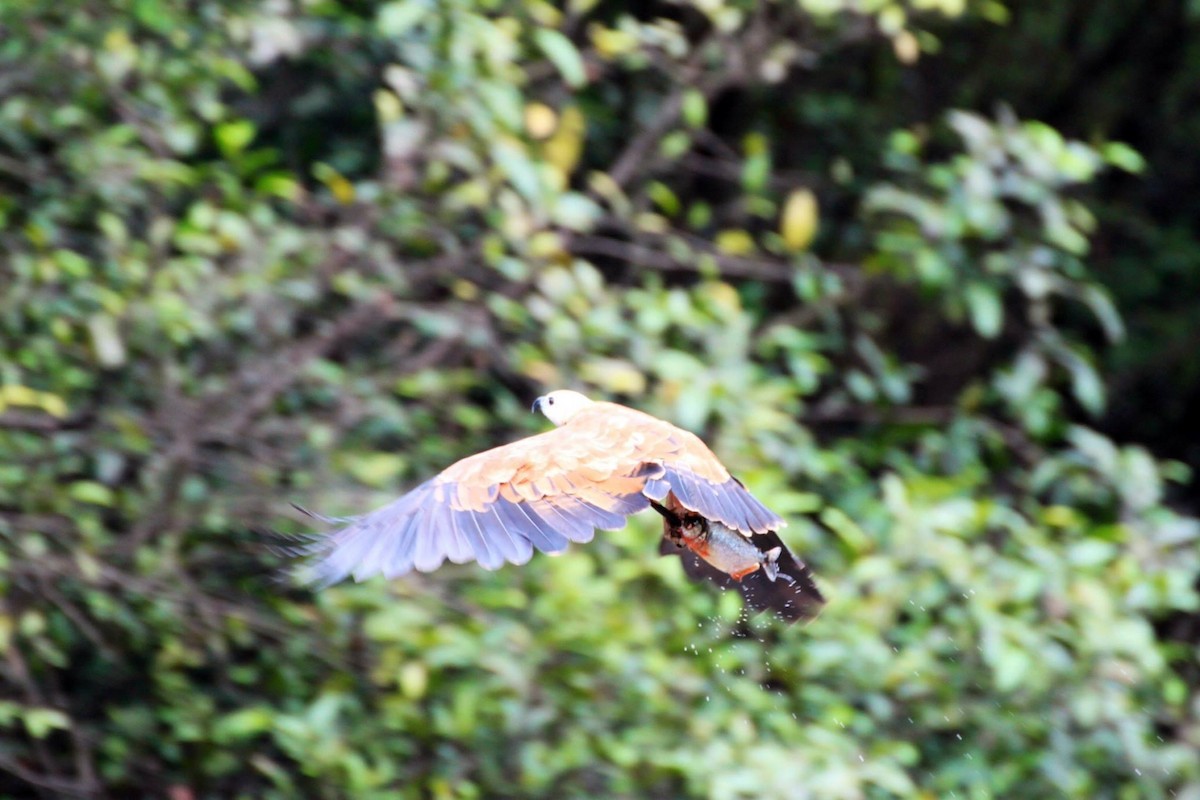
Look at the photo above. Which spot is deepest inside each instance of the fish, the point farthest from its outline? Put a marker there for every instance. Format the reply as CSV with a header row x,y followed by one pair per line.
x,y
760,566
726,549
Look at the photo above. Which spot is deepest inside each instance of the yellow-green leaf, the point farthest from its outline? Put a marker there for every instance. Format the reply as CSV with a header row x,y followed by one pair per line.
x,y
233,137
735,242
91,492
799,221
565,144
40,721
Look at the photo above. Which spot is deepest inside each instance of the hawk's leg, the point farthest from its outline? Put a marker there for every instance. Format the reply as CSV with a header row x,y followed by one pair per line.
x,y
673,519
673,529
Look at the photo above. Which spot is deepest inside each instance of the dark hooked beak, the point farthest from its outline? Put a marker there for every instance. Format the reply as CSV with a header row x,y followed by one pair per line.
x,y
537,404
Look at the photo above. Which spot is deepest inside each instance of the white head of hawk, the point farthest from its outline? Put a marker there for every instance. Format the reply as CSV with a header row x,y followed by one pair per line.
x,y
559,406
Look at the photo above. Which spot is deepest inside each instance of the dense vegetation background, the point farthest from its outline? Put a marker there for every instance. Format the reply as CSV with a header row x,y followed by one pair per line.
x,y
922,273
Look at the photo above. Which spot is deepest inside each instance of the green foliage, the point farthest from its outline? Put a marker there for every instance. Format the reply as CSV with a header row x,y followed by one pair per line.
x,y
255,254
999,224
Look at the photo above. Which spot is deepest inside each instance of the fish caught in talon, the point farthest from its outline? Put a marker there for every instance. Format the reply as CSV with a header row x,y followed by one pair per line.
x,y
759,566
723,548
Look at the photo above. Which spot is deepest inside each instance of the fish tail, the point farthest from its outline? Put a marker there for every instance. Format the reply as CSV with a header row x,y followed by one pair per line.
x,y
770,563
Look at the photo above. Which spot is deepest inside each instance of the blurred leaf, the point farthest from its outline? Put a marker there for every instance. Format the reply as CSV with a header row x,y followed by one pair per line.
x,y
400,16
614,376
695,109
233,137
40,722
847,530
562,53
243,724
23,396
106,340
735,243
798,224
91,492
341,188
380,470
1124,157
565,146
987,314
1086,385
1102,306
540,120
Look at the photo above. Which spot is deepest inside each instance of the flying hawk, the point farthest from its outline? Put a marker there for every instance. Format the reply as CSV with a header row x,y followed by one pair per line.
x,y
601,463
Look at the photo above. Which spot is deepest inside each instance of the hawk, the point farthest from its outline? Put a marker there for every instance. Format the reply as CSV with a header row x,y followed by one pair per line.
x,y
601,463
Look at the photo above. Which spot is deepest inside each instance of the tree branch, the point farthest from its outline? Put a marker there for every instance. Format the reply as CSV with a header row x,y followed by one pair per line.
x,y
763,269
